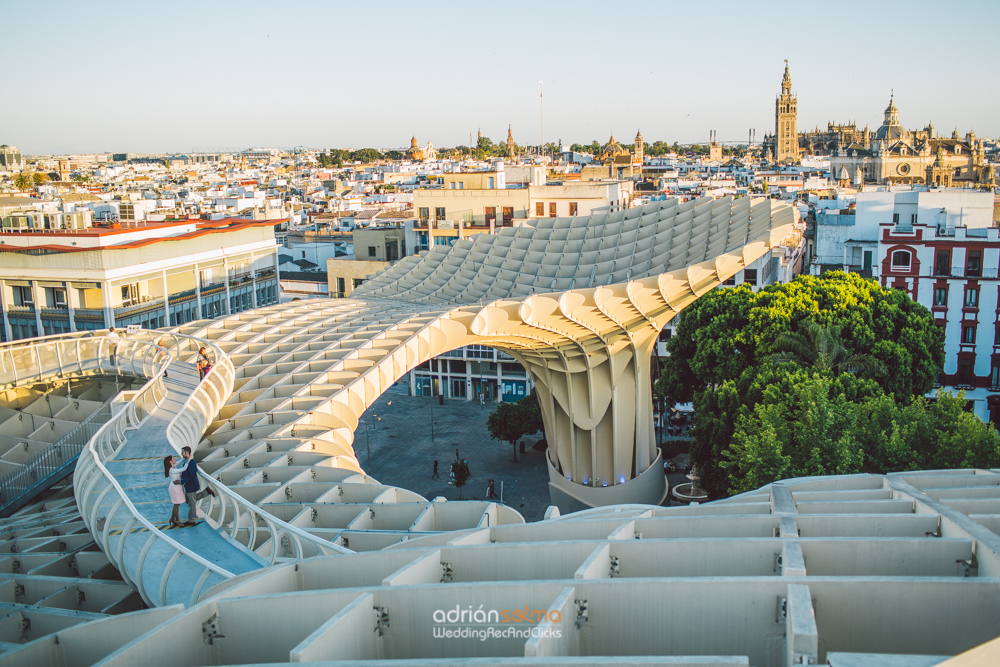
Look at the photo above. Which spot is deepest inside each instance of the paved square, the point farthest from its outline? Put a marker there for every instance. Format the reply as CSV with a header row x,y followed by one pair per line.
x,y
403,453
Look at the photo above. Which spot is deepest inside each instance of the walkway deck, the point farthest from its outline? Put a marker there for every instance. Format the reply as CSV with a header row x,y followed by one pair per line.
x,y
138,467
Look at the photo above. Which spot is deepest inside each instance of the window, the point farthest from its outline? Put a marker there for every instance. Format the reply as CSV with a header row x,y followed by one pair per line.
x,y
439,213
901,259
971,297
942,263
371,251
750,276
424,214
539,209
973,263
572,208
491,215
508,215
995,376
895,217
461,185
452,184
490,182
358,282
341,287
965,372
913,218
940,296
552,209
23,296
969,335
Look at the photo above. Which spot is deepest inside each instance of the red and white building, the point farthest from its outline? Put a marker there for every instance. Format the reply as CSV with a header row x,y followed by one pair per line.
x,y
941,248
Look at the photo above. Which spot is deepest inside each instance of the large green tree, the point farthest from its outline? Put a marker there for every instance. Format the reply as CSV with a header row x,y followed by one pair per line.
x,y
753,416
729,330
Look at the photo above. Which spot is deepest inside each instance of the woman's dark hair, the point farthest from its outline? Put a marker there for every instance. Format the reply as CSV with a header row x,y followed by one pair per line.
x,y
166,465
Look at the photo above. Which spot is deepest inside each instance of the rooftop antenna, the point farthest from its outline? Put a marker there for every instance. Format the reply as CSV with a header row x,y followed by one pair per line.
x,y
541,111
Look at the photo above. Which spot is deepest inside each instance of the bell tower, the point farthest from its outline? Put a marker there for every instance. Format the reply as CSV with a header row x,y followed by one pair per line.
x,y
786,135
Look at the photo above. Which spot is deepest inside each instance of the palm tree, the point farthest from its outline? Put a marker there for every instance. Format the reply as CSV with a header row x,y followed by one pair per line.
x,y
820,347
23,181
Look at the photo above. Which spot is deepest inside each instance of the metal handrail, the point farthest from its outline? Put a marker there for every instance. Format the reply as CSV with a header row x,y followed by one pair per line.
x,y
235,515
20,485
91,473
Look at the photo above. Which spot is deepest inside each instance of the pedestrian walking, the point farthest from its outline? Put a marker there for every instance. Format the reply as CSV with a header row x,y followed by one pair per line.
x,y
491,489
175,490
435,471
163,354
204,363
457,457
113,339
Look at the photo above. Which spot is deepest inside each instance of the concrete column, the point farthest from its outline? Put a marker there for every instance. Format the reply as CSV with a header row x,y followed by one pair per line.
x,y
225,270
468,375
253,282
38,296
109,308
166,298
4,305
499,395
411,375
197,289
71,299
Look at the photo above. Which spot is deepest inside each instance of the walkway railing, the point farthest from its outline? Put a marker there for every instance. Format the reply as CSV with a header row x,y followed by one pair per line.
x,y
40,472
63,355
241,520
134,545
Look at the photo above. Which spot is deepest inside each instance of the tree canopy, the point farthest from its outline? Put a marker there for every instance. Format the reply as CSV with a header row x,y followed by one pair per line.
x,y
824,375
512,421
729,330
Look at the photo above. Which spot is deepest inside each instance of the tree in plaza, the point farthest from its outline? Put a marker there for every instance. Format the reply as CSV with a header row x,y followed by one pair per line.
x,y
460,475
751,415
22,181
512,421
729,330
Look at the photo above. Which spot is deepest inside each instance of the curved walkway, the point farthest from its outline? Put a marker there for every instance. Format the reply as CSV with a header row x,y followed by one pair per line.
x,y
138,467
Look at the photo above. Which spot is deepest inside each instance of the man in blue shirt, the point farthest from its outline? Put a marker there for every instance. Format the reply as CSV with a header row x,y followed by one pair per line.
x,y
189,479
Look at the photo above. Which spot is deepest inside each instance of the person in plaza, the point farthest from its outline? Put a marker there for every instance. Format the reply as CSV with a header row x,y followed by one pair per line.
x,y
113,339
435,471
491,489
175,489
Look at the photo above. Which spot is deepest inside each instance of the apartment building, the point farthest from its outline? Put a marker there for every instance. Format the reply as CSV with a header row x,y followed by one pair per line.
x,y
948,259
57,280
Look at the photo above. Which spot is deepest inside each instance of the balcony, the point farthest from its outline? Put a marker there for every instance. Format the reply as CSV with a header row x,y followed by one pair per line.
x,y
264,274
21,310
88,314
212,288
181,297
238,279
135,306
959,272
54,313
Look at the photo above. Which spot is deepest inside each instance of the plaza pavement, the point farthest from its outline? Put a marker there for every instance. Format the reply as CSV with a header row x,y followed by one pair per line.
x,y
403,453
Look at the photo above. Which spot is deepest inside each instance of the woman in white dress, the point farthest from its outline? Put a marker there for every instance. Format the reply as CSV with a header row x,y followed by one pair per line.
x,y
176,490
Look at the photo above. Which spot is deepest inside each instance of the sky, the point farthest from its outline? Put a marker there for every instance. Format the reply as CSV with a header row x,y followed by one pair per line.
x,y
152,77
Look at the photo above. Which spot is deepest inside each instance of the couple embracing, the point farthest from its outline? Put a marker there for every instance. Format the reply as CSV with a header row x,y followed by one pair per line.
x,y
184,487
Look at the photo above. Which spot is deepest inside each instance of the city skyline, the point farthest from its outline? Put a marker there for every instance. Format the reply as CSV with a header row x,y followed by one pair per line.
x,y
138,79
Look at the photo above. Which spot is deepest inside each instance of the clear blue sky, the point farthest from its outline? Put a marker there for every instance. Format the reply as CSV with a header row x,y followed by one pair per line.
x,y
172,77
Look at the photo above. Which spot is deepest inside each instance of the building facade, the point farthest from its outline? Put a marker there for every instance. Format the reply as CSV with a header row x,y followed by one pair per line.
x,y
62,280
953,271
